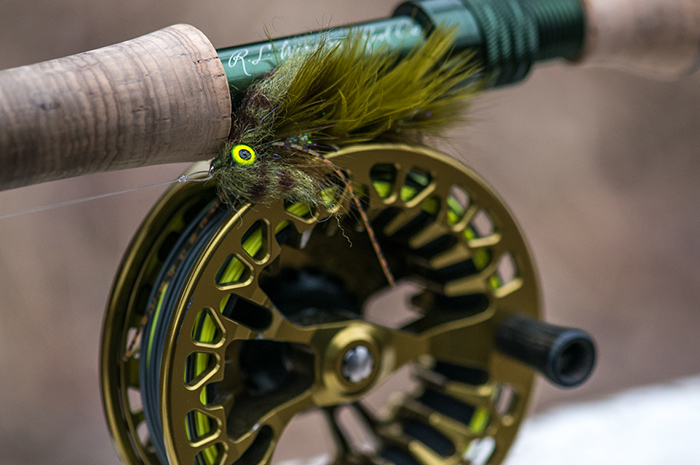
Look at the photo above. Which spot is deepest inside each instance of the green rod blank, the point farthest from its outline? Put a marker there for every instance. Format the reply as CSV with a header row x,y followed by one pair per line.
x,y
508,37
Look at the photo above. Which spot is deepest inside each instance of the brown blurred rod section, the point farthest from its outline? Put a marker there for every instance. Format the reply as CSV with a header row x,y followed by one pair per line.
x,y
656,37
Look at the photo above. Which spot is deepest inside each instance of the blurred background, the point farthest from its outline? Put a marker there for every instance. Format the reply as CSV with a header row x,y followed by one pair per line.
x,y
601,169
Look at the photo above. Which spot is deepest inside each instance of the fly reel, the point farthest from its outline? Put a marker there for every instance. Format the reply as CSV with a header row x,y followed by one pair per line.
x,y
223,325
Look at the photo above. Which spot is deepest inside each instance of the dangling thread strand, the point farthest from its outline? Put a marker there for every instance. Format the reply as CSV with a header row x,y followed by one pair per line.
x,y
184,178
365,220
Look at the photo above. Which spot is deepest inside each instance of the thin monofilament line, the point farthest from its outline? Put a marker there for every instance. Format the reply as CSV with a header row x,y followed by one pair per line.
x,y
68,203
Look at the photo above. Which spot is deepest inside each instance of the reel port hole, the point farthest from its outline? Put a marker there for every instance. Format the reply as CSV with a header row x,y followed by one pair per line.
x,y
264,374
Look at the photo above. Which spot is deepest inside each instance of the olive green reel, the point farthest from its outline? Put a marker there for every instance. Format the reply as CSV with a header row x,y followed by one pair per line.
x,y
264,318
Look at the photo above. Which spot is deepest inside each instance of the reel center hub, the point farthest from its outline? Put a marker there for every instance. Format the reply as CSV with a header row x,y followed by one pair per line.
x,y
357,364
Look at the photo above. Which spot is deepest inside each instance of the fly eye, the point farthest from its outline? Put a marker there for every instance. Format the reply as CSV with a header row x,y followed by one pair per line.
x,y
243,155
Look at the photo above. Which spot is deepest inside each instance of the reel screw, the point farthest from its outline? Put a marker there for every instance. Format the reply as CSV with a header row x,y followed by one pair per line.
x,y
358,364
565,356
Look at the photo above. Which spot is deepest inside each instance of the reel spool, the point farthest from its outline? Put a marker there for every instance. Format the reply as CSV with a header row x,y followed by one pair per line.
x,y
257,315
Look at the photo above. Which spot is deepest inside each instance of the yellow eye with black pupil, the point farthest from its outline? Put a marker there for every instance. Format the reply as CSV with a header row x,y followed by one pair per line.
x,y
243,155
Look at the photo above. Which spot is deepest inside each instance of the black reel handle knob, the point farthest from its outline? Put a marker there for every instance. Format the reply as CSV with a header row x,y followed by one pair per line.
x,y
565,356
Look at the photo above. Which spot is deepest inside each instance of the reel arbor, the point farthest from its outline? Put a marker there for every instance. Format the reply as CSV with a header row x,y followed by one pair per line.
x,y
256,315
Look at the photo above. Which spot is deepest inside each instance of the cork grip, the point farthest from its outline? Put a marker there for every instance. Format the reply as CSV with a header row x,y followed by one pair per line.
x,y
160,98
659,37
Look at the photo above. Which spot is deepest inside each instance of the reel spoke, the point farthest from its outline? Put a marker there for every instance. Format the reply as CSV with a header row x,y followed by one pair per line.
x,y
265,433
462,343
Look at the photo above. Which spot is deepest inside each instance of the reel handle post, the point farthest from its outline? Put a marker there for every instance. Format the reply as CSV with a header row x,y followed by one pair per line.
x,y
565,356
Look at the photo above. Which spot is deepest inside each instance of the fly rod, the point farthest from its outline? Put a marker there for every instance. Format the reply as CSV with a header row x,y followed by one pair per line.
x,y
167,96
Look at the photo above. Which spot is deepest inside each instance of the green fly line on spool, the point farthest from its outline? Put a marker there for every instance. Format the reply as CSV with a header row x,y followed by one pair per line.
x,y
166,291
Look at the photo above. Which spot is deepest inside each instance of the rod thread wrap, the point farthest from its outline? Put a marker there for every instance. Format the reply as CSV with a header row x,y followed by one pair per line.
x,y
561,27
510,35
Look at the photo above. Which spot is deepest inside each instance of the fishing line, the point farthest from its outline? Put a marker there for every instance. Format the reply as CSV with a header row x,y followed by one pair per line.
x,y
184,178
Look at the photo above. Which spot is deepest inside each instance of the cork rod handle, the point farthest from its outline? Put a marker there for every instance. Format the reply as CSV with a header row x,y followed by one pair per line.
x,y
660,37
160,98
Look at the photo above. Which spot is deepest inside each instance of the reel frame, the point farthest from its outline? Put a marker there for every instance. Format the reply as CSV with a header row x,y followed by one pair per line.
x,y
456,200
